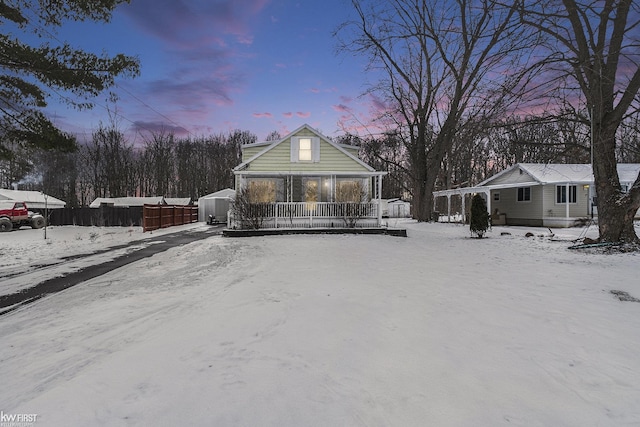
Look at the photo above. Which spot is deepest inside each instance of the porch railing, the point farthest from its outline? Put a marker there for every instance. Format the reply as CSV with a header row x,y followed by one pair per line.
x,y
307,214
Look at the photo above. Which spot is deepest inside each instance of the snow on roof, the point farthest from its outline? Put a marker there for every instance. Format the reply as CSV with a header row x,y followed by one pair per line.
x,y
227,192
553,173
125,202
31,198
628,172
178,201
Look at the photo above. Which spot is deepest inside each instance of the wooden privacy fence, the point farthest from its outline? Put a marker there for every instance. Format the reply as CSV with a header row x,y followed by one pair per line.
x,y
162,216
104,216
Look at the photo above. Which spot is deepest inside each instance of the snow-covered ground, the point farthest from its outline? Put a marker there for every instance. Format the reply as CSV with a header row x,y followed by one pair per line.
x,y
434,329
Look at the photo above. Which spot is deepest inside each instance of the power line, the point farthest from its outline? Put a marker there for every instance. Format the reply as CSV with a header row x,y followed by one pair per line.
x,y
153,109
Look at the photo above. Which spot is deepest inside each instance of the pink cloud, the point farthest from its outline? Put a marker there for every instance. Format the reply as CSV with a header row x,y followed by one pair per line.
x,y
288,115
303,115
245,39
341,108
263,115
314,90
183,22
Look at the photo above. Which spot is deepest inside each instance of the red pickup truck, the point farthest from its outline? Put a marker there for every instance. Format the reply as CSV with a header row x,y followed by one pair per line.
x,y
15,215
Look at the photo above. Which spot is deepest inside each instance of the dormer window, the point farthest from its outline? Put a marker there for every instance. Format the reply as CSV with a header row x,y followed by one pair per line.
x,y
305,149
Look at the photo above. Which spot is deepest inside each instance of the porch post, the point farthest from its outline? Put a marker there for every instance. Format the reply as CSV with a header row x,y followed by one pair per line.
x,y
379,191
464,209
488,193
566,187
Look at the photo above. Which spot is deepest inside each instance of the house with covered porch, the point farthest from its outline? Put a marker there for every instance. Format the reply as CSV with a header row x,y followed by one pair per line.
x,y
534,194
305,180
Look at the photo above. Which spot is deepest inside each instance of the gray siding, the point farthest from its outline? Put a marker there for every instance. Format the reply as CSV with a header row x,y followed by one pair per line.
x,y
553,209
278,159
509,205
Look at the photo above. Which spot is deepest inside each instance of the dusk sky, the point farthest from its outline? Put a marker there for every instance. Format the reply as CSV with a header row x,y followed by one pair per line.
x,y
215,66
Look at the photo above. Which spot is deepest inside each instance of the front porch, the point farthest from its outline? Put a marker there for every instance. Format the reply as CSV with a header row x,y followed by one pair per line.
x,y
307,215
304,201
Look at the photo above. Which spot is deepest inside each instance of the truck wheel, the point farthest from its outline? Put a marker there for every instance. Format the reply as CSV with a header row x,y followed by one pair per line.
x,y
37,222
5,224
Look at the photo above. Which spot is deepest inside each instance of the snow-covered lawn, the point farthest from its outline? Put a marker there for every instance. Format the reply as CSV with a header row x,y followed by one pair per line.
x,y
434,329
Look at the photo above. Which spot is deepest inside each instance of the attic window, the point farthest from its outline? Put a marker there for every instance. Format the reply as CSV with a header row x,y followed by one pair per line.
x,y
305,149
304,153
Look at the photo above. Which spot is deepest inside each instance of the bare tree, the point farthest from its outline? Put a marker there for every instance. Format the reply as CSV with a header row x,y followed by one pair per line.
x,y
107,162
628,148
595,44
444,63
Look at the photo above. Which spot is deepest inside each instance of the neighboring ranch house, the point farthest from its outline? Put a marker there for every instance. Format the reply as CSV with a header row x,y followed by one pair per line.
x,y
33,199
550,195
307,180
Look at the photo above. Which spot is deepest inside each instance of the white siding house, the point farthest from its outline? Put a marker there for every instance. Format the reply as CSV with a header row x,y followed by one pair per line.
x,y
550,195
305,180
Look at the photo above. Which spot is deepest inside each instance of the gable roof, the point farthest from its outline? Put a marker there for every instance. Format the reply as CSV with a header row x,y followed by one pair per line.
x,y
272,144
541,174
34,199
554,173
221,194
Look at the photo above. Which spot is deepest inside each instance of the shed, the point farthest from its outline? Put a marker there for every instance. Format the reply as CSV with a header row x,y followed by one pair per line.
x,y
215,204
398,208
33,199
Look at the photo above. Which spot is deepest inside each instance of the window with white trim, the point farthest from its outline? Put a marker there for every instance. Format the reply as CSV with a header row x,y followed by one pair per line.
x,y
305,149
524,194
262,191
561,193
350,191
496,196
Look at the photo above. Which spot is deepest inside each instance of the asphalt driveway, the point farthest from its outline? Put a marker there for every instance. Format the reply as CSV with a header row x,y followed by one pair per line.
x,y
161,243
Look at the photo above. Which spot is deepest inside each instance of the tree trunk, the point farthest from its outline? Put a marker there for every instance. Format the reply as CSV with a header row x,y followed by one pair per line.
x,y
616,210
421,205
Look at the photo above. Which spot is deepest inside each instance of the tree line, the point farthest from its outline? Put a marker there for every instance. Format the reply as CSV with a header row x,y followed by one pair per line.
x,y
482,151
108,165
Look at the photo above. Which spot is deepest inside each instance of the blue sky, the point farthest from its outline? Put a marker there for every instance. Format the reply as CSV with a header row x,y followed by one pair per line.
x,y
215,66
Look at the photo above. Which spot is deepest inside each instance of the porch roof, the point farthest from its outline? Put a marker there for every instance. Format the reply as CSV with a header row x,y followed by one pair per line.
x,y
308,173
482,188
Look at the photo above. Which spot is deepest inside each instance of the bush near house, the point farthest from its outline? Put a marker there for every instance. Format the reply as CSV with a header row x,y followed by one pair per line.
x,y
479,223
